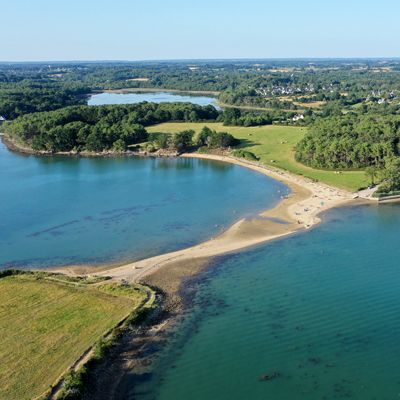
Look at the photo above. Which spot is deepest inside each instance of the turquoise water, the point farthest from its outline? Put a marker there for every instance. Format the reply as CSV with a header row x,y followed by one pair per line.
x,y
321,309
60,210
158,97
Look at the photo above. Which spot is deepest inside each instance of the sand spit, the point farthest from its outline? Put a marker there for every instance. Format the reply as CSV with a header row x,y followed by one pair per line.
x,y
297,211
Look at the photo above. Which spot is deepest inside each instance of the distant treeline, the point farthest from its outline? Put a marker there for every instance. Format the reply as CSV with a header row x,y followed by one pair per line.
x,y
88,128
236,117
21,100
279,85
250,98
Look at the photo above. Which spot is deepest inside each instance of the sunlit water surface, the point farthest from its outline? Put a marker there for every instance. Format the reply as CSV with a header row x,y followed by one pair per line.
x,y
153,97
320,309
69,210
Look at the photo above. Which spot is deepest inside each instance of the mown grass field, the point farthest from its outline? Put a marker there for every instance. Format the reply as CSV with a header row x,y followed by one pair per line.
x,y
46,325
275,146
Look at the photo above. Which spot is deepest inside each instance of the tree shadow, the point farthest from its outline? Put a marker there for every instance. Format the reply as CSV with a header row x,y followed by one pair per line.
x,y
246,143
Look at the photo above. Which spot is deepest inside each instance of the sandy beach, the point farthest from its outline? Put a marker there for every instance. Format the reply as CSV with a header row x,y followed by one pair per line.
x,y
295,212
171,272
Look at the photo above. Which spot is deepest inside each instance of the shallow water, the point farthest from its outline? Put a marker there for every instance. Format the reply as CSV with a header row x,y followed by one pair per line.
x,y
60,210
321,309
153,97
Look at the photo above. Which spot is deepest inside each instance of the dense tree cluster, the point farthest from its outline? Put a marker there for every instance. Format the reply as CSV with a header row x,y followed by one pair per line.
x,y
351,141
236,117
212,139
251,98
352,106
99,128
276,84
390,176
24,100
184,140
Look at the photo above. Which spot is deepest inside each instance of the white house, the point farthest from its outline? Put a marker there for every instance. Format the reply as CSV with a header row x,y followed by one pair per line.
x,y
298,117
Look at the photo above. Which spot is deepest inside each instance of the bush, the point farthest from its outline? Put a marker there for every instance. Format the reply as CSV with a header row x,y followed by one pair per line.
x,y
248,155
379,194
73,385
181,141
212,139
119,146
160,139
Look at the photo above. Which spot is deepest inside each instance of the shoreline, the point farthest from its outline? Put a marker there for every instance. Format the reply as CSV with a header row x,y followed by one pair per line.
x,y
19,148
211,93
172,271
160,90
297,211
175,272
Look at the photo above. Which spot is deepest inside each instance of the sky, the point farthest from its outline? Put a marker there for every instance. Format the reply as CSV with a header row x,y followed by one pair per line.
x,y
60,30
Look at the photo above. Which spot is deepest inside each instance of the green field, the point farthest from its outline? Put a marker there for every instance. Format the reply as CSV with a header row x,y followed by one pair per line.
x,y
46,325
274,145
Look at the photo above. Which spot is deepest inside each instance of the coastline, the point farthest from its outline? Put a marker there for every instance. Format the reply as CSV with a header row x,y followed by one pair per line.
x,y
19,148
171,272
297,211
156,90
174,272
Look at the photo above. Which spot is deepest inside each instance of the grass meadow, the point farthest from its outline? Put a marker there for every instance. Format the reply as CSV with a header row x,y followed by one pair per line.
x,y
274,145
46,325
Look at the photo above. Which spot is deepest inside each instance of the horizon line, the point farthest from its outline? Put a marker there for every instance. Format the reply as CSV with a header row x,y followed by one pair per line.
x,y
203,60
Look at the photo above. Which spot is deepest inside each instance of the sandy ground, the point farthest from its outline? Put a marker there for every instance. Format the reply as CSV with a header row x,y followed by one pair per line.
x,y
297,211
169,271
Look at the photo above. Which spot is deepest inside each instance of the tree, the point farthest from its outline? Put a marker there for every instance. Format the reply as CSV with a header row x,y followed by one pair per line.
x,y
391,175
97,128
183,140
372,173
231,116
160,139
222,140
204,136
134,134
119,146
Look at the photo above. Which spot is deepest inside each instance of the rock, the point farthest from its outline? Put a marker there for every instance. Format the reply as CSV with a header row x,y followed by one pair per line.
x,y
270,377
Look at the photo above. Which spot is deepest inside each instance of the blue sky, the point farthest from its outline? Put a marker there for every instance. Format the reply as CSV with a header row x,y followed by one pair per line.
x,y
194,29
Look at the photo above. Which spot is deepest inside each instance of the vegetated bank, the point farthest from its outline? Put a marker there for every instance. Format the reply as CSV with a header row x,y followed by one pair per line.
x,y
367,139
272,145
97,129
49,321
348,150
122,128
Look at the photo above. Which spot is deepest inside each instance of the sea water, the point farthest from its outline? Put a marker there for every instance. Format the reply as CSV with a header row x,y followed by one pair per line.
x,y
310,317
70,210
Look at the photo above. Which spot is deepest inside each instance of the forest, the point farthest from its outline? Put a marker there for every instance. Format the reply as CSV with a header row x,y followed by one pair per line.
x,y
367,139
86,128
350,107
290,85
351,141
29,99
